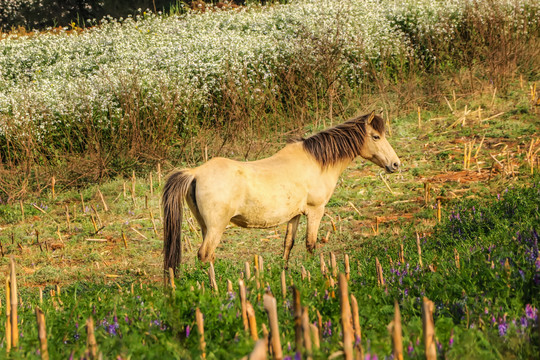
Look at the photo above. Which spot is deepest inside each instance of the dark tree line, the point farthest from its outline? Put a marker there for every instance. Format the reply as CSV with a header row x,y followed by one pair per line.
x,y
40,14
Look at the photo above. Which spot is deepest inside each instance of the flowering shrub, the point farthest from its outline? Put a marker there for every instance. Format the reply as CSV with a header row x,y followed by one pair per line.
x,y
149,81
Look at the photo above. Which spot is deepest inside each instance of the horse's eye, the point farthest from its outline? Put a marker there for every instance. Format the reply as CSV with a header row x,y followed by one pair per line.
x,y
376,137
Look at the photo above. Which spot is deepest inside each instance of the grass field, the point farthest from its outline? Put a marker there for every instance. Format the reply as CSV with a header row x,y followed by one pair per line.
x,y
480,306
80,204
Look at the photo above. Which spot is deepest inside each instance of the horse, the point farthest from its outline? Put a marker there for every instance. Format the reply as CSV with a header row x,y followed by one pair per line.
x,y
297,180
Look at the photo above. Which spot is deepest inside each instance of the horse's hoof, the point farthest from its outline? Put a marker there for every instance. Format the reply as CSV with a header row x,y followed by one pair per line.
x,y
205,257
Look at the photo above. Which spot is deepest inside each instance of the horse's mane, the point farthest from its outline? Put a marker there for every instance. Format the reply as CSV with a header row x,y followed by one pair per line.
x,y
341,142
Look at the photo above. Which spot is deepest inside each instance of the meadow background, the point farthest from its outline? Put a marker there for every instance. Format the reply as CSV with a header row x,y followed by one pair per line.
x,y
109,106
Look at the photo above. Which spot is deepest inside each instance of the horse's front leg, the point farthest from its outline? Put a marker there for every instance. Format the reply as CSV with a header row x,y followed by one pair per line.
x,y
314,216
290,235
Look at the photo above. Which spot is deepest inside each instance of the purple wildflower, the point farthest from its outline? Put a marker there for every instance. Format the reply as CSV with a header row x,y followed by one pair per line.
x,y
111,329
523,321
327,331
503,328
188,330
410,349
531,312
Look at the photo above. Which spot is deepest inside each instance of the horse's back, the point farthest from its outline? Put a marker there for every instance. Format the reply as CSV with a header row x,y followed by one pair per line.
x,y
260,193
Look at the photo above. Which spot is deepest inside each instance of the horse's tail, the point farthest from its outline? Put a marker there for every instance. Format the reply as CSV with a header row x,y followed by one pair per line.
x,y
174,193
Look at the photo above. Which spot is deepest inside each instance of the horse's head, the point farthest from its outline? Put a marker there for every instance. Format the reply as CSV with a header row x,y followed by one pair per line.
x,y
375,147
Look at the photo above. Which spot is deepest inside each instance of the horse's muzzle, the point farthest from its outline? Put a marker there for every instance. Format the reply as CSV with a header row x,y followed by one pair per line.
x,y
392,168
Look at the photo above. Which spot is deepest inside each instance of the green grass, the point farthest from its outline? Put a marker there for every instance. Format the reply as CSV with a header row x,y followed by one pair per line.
x,y
480,307
96,277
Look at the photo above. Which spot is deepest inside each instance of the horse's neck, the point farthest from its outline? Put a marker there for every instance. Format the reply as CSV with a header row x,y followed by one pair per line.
x,y
335,170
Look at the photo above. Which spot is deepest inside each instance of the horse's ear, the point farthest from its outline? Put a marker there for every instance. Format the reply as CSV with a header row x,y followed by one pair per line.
x,y
371,117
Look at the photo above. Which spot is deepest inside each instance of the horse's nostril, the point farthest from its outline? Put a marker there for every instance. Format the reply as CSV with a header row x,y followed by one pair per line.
x,y
396,165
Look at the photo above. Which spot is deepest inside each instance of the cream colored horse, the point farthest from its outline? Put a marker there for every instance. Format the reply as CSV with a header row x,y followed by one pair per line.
x,y
297,180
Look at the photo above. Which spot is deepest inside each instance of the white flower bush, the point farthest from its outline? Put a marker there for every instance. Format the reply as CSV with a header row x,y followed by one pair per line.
x,y
53,80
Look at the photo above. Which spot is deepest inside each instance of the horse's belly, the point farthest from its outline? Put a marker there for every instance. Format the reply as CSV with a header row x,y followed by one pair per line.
x,y
256,214
247,221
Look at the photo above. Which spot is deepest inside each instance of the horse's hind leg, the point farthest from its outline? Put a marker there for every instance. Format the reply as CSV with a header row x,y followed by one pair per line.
x,y
292,226
210,243
192,203
216,221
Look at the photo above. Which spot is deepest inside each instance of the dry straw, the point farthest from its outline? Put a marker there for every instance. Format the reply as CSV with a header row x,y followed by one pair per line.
x,y
307,333
297,319
323,264
212,276
333,263
247,271
13,303
428,329
346,318
42,334
53,182
419,248
303,273
8,316
270,306
347,267
395,330
242,291
380,278
283,284
91,344
171,279
357,328
200,328
252,321
315,336
260,350
105,207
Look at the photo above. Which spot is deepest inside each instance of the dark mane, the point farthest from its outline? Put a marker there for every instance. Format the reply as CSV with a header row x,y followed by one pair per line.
x,y
341,142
